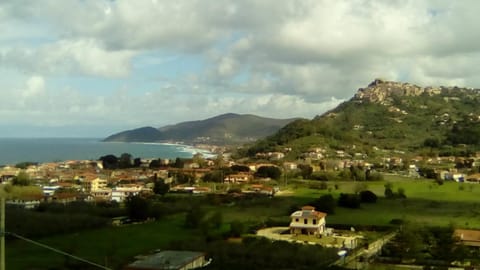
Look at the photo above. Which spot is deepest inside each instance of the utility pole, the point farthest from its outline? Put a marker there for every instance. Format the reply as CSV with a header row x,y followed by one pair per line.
x,y
2,232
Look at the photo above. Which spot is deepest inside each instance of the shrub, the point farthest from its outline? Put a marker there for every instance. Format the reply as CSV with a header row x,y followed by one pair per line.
x,y
326,203
368,196
237,228
349,200
389,193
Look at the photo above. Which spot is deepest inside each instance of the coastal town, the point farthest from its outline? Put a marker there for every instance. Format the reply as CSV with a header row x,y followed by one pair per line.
x,y
89,180
119,179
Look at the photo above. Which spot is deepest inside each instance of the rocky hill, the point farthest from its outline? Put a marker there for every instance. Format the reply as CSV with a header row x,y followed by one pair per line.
x,y
390,115
223,129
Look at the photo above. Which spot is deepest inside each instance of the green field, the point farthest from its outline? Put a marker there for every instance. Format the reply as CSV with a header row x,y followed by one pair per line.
x,y
110,246
427,203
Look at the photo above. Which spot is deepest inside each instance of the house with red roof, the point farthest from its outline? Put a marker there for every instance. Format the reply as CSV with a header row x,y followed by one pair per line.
x,y
307,221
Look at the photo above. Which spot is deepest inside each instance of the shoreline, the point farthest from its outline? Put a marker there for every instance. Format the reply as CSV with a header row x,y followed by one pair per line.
x,y
14,151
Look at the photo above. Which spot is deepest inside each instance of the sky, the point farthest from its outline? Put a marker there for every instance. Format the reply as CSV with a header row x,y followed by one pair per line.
x,y
91,68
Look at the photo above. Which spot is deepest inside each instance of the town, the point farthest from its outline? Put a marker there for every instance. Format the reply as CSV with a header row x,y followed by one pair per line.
x,y
309,191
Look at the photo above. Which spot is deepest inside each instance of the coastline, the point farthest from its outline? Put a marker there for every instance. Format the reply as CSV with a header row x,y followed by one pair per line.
x,y
44,150
205,150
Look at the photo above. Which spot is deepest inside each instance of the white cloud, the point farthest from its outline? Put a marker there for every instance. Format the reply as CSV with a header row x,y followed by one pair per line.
x,y
82,57
274,58
35,86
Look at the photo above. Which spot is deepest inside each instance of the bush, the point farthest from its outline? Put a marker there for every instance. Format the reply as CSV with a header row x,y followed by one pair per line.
x,y
237,228
389,193
272,172
374,176
349,200
401,193
368,196
326,203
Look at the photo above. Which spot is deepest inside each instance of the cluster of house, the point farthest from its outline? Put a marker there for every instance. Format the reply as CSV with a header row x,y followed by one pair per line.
x,y
87,180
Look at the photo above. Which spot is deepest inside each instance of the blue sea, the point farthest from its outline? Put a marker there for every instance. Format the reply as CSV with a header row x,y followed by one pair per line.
x,y
15,150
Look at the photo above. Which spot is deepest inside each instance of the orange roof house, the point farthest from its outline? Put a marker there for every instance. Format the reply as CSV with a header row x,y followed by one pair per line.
x,y
307,221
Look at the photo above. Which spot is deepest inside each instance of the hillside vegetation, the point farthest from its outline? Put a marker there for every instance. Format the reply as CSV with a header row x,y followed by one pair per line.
x,y
389,115
222,129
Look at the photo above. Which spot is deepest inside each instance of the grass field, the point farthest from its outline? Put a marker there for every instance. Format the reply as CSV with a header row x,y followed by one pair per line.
x,y
427,203
110,246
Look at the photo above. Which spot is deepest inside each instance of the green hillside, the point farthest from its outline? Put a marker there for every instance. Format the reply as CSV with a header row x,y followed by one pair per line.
x,y
389,115
222,129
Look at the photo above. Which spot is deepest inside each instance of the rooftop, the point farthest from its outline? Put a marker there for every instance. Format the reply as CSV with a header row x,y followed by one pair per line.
x,y
167,259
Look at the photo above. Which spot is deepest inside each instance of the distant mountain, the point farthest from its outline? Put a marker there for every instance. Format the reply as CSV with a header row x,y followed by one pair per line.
x,y
222,129
387,115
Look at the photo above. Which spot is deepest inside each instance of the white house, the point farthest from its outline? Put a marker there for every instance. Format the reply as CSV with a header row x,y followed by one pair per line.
x,y
307,221
119,194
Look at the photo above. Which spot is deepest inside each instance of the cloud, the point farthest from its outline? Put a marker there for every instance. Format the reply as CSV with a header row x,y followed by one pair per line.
x,y
35,86
169,61
79,57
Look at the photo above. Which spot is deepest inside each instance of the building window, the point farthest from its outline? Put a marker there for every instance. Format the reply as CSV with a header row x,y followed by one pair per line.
x,y
314,221
305,221
296,220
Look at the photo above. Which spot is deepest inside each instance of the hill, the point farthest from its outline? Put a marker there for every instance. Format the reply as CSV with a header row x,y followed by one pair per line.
x,y
223,129
387,115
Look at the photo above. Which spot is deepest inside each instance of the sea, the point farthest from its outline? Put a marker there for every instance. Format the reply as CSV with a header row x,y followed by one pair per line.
x,y
16,150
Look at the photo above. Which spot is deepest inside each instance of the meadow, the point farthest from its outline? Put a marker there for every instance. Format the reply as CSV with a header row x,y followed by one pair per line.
x,y
427,203
113,246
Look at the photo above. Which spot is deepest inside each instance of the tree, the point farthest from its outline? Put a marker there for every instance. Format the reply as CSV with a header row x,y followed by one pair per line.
x,y
431,142
305,170
237,228
215,220
137,162
349,200
22,179
154,164
388,191
272,172
24,165
194,217
183,178
138,207
109,162
219,161
198,158
214,176
326,203
240,168
368,196
179,163
409,241
125,161
160,187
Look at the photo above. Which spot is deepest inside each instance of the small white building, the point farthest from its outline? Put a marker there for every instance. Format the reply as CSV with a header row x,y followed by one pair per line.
x,y
119,194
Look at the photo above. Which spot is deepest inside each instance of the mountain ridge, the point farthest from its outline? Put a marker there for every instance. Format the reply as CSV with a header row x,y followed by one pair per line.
x,y
221,129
